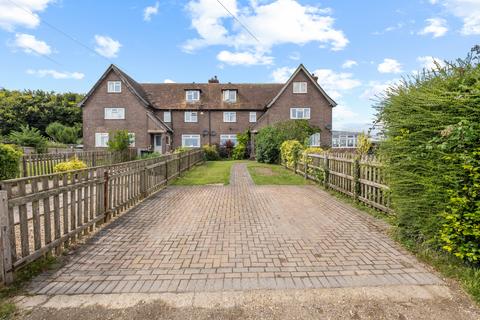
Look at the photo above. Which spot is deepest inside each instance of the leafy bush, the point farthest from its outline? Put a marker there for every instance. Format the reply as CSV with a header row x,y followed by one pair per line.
x,y
226,150
149,155
313,150
269,139
62,134
291,151
364,144
72,164
211,152
119,140
181,149
239,152
29,137
10,157
430,154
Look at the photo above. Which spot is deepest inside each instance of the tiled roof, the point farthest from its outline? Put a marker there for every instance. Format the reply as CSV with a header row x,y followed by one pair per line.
x,y
172,95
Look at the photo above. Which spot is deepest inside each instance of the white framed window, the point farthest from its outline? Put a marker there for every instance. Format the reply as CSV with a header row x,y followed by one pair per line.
x,y
335,142
299,113
314,140
191,140
351,141
226,137
167,116
192,95
131,139
299,87
344,140
114,113
252,116
101,139
114,86
229,116
191,116
230,96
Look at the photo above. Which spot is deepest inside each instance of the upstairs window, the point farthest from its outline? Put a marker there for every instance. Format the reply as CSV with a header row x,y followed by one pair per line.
x,y
230,96
299,87
101,140
229,117
300,113
314,140
114,113
114,86
252,117
167,116
191,116
192,95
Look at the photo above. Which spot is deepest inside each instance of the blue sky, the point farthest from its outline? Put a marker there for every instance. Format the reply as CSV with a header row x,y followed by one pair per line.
x,y
357,48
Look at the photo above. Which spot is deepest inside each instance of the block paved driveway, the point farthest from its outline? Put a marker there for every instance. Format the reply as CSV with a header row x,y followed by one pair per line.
x,y
236,237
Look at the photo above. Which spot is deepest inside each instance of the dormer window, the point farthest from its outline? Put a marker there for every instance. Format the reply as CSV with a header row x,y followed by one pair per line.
x,y
192,95
230,96
114,86
299,87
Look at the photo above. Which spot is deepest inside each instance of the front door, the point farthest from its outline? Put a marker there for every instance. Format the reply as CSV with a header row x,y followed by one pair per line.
x,y
157,143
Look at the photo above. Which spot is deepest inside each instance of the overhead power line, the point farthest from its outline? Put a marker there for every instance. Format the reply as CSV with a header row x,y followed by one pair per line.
x,y
240,22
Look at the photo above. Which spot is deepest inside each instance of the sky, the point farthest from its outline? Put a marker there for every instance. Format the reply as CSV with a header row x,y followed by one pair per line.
x,y
356,48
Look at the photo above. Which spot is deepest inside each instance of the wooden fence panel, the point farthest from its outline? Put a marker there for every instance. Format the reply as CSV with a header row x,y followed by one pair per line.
x,y
43,214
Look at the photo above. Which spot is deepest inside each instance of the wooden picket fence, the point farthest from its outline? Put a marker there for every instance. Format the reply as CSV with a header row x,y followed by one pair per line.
x,y
44,214
43,163
363,178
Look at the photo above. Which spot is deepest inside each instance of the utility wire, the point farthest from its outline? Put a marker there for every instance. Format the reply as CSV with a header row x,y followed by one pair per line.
x,y
240,22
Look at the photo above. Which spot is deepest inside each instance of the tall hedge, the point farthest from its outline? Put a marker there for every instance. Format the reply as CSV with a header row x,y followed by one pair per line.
x,y
424,171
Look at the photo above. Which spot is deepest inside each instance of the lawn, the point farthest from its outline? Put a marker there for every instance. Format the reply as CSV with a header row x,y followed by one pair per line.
x,y
273,174
212,172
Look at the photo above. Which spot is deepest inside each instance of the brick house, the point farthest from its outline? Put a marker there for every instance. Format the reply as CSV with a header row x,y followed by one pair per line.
x,y
163,116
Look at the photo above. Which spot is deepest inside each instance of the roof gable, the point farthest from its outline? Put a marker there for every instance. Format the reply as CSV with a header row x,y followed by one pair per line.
x,y
302,68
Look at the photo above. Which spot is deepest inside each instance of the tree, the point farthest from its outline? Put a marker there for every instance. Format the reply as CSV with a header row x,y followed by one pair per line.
x,y
62,134
29,137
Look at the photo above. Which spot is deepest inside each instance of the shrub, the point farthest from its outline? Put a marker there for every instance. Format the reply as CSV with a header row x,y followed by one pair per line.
x,y
291,151
62,134
181,149
313,150
239,152
225,151
10,157
211,152
149,155
72,164
119,140
29,137
364,144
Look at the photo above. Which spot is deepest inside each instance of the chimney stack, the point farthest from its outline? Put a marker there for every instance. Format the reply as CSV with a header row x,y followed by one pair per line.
x,y
214,80
314,77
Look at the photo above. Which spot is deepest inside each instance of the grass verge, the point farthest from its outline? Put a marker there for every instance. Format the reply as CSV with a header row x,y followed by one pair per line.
x,y
212,172
7,308
273,174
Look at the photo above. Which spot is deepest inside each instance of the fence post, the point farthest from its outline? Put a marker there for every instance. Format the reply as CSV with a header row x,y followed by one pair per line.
x,y
326,171
106,203
143,182
179,163
24,166
5,235
356,177
305,166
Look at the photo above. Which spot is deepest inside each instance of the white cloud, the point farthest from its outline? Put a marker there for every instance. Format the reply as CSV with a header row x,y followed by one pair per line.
x,y
56,74
349,64
336,84
295,56
281,75
435,26
429,62
376,88
389,66
344,118
467,10
106,46
168,81
274,23
21,13
150,11
244,58
30,44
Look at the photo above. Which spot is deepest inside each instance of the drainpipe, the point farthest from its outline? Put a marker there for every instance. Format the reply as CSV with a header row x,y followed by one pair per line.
x,y
209,129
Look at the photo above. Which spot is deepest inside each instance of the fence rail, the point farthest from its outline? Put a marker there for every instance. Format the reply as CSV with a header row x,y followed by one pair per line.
x,y
44,214
43,163
362,179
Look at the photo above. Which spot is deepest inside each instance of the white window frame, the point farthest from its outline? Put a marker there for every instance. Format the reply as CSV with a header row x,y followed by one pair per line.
x,y
252,117
229,116
114,86
192,95
114,113
225,137
101,139
300,87
131,138
190,136
167,116
314,140
191,116
305,113
227,96
345,140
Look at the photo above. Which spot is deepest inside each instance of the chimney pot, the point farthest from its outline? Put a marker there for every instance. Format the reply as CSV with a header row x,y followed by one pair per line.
x,y
314,77
214,80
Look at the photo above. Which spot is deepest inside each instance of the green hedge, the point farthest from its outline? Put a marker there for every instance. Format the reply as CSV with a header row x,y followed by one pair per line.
x,y
10,158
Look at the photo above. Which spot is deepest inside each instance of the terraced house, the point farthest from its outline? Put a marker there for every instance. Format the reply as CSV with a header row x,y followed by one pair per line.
x,y
163,116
